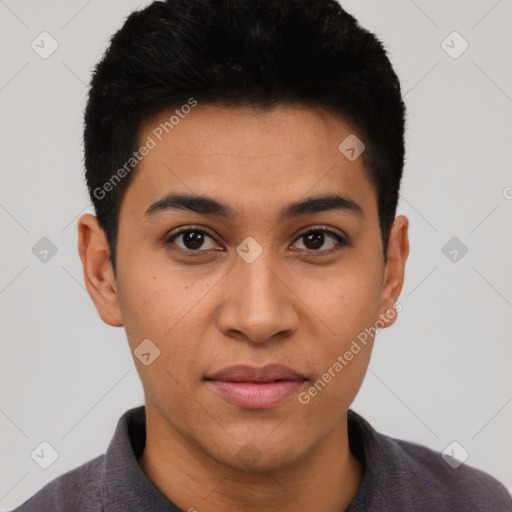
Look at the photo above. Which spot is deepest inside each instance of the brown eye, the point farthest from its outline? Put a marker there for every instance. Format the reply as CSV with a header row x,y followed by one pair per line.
x,y
315,239
192,239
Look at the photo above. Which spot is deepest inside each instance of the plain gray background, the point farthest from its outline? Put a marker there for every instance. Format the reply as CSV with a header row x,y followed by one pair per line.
x,y
442,373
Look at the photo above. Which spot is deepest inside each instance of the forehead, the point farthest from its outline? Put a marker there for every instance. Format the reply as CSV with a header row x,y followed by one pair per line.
x,y
247,155
249,132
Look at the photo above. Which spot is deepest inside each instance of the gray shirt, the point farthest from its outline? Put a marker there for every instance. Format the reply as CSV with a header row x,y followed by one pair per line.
x,y
398,476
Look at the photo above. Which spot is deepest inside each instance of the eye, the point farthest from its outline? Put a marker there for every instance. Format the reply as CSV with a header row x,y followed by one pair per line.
x,y
192,240
195,240
315,238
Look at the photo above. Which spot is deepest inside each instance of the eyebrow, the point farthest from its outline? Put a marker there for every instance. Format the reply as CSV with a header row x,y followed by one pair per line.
x,y
206,205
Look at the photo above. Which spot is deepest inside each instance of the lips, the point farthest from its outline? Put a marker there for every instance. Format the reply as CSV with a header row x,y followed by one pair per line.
x,y
256,388
268,373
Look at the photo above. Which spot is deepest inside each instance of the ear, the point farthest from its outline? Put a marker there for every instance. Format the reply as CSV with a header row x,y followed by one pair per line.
x,y
98,273
398,250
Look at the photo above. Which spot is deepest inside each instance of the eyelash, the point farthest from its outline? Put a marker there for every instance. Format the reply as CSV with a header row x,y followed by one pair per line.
x,y
341,242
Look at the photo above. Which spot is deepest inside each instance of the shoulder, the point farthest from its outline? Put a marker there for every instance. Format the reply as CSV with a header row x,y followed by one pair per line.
x,y
79,490
433,481
401,475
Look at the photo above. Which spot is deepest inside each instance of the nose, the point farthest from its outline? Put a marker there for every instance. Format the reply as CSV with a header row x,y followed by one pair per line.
x,y
258,305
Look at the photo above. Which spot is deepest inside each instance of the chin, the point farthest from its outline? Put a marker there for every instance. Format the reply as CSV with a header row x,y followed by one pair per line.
x,y
260,456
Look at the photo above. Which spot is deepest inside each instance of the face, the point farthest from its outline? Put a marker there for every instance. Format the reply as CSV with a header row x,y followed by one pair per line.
x,y
252,282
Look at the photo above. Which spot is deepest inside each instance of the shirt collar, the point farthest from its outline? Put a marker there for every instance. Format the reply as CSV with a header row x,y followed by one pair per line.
x,y
126,486
385,474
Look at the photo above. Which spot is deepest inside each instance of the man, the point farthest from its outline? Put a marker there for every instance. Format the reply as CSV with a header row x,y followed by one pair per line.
x,y
244,160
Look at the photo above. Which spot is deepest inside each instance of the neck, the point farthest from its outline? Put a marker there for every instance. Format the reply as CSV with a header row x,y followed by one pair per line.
x,y
326,479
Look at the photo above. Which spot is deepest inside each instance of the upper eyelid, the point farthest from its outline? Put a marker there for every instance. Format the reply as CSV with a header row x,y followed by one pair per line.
x,y
189,228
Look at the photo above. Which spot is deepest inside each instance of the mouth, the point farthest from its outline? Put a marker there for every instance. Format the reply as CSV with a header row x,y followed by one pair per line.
x,y
256,388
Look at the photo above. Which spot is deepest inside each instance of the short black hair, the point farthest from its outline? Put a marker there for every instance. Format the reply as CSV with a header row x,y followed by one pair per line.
x,y
258,53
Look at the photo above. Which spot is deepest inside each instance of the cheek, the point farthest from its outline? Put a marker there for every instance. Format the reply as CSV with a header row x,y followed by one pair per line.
x,y
346,302
165,315
166,309
348,312
155,300
340,364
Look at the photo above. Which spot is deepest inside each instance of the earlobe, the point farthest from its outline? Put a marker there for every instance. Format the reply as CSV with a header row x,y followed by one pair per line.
x,y
394,273
98,273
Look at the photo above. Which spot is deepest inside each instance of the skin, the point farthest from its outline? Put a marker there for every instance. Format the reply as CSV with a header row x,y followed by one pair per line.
x,y
295,304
